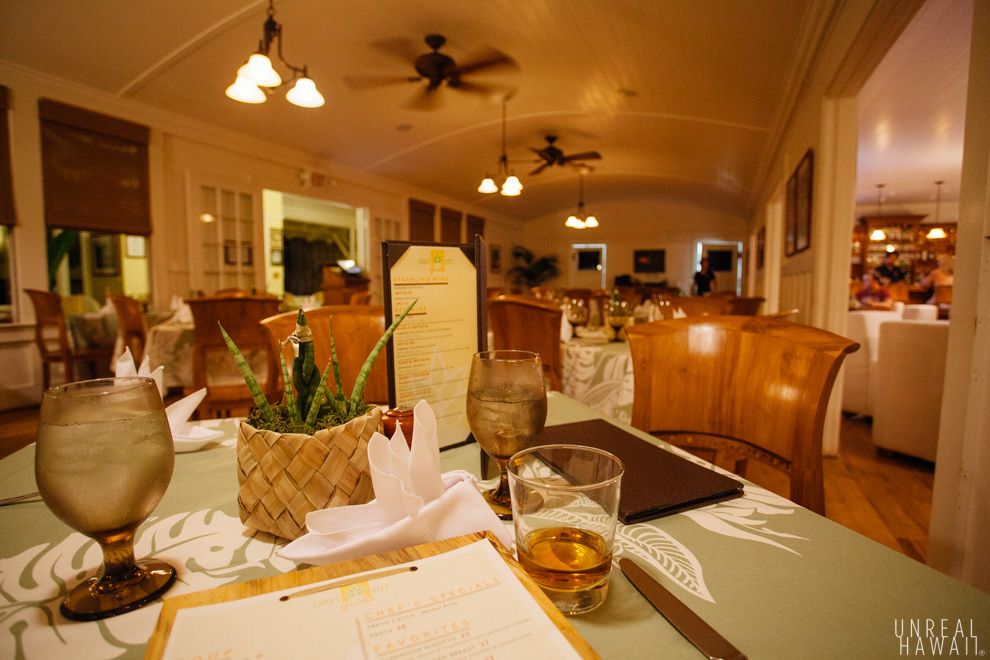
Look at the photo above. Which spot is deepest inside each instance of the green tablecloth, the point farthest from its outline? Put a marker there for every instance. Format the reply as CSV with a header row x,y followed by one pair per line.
x,y
774,578
599,374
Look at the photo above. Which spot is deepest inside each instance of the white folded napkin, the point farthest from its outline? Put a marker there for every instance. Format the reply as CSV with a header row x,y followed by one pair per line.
x,y
414,503
679,313
183,313
566,329
186,437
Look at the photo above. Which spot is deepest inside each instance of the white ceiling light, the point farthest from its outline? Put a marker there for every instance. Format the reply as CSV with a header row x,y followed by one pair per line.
x,y
937,232
259,73
511,186
878,234
581,221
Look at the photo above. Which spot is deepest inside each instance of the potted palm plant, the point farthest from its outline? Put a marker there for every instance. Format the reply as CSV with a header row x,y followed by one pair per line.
x,y
531,271
309,451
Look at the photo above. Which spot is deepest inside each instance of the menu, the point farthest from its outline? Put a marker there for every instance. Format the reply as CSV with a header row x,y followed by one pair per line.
x,y
465,603
430,352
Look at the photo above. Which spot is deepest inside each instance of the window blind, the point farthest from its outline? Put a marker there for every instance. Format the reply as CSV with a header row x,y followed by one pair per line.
x,y
450,226
475,227
421,221
94,170
8,215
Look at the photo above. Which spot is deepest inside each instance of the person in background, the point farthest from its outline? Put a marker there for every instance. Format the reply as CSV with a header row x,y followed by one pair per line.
x,y
704,280
941,274
874,295
889,271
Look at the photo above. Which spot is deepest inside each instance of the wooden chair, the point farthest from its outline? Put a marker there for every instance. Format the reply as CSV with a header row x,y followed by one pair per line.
x,y
360,298
745,306
526,324
233,292
50,317
943,298
240,317
701,305
581,294
356,330
79,303
541,292
735,388
131,325
785,315
900,292
495,291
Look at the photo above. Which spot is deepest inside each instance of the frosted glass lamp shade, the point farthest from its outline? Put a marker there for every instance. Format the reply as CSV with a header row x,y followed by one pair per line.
x,y
488,186
246,90
591,221
937,232
304,94
259,69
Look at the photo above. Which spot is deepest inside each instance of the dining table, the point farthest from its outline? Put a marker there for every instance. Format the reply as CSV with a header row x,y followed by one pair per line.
x,y
775,579
170,345
598,373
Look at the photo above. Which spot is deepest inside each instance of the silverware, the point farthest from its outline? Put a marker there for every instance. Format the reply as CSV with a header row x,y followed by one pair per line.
x,y
689,624
22,499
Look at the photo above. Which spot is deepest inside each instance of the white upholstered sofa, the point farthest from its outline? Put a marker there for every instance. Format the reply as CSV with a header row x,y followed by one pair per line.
x,y
909,377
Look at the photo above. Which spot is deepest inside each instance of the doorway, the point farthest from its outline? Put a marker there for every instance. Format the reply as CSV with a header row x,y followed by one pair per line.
x,y
725,260
587,266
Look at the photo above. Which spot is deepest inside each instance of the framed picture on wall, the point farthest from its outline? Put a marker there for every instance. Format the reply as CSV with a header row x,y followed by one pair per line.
x,y
799,197
136,248
106,255
495,258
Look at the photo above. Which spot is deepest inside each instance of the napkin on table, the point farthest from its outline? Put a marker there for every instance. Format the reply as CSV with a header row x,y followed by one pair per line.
x,y
186,436
183,313
414,503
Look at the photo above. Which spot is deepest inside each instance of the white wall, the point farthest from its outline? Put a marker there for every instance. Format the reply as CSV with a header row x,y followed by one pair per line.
x,y
636,224
180,151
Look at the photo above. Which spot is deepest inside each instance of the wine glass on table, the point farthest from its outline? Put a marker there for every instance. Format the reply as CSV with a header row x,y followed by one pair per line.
x,y
576,313
103,460
506,408
617,316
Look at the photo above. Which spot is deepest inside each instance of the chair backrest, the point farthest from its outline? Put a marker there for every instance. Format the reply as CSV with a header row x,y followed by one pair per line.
x,y
356,330
701,305
943,294
899,292
580,294
48,315
526,324
745,306
360,298
233,292
757,387
130,322
240,317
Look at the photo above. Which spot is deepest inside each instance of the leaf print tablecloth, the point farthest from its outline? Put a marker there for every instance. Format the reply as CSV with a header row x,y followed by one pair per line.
x,y
775,579
599,374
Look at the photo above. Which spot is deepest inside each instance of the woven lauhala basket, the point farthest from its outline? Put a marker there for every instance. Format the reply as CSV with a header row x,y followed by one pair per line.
x,y
284,476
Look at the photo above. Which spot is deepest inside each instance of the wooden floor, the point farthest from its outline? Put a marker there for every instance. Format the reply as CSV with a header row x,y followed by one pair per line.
x,y
886,498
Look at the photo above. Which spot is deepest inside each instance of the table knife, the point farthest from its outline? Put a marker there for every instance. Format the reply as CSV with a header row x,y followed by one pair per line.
x,y
689,624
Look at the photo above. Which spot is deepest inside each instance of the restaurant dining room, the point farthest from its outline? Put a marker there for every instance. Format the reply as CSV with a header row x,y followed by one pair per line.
x,y
558,329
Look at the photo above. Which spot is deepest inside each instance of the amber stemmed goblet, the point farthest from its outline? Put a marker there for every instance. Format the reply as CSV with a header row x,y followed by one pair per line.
x,y
506,408
103,460
576,313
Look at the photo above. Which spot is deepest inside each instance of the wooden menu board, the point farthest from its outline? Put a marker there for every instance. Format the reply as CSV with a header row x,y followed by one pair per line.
x,y
429,356
159,638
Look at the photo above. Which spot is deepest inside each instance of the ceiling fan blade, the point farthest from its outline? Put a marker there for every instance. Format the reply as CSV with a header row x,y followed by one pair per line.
x,y
540,169
487,60
426,100
402,48
479,88
584,155
371,82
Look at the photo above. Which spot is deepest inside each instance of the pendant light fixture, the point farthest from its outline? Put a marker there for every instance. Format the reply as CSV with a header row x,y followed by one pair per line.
x,y
878,234
511,187
258,77
581,221
937,232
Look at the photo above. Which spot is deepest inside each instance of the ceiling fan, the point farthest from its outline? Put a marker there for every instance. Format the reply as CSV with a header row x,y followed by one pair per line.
x,y
551,155
436,69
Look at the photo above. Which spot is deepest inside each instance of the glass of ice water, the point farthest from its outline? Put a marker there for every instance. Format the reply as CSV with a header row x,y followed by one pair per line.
x,y
103,460
506,408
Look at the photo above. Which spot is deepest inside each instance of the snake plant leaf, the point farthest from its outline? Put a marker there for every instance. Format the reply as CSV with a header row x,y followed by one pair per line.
x,y
314,410
357,394
290,399
259,397
305,377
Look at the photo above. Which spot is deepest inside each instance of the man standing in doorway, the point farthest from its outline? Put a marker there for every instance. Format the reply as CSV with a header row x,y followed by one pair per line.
x,y
704,279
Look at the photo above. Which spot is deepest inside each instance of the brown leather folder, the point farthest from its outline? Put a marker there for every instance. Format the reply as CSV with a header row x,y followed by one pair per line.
x,y
656,482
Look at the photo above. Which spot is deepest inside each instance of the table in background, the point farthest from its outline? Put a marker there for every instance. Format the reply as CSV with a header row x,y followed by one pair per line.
x,y
170,345
775,579
102,329
599,374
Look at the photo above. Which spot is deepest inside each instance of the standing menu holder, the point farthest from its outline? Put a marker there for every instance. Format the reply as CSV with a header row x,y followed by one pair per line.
x,y
429,355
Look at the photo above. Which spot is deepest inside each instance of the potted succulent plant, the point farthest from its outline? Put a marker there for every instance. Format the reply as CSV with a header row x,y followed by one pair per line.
x,y
309,451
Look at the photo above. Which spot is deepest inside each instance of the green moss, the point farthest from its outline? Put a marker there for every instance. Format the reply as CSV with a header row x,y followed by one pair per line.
x,y
281,421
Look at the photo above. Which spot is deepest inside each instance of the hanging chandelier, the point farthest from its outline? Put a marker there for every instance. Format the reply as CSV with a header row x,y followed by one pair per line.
x,y
256,79
878,234
511,187
581,221
937,232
